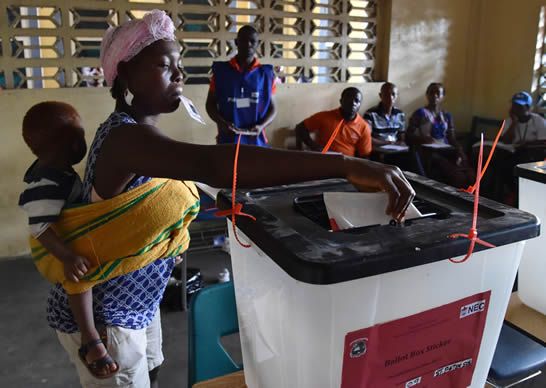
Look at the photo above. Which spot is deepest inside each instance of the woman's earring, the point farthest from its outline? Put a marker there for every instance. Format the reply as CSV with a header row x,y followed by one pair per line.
x,y
128,97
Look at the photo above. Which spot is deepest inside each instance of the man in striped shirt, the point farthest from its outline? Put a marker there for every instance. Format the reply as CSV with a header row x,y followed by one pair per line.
x,y
387,121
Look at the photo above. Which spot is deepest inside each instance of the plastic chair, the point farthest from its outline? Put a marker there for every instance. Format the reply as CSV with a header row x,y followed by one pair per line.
x,y
212,315
487,125
519,357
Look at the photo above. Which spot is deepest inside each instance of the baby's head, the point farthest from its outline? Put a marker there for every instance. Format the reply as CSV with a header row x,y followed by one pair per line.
x,y
54,133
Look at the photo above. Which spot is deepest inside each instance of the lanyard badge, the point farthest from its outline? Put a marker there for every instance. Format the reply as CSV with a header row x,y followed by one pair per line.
x,y
192,110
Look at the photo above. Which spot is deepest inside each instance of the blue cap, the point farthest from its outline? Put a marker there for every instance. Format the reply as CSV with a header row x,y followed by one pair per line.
x,y
522,98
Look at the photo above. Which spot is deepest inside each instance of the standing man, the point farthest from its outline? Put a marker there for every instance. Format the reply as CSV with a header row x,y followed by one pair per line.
x,y
354,137
241,93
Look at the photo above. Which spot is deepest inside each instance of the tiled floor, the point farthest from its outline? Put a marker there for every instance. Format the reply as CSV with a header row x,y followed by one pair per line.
x,y
32,357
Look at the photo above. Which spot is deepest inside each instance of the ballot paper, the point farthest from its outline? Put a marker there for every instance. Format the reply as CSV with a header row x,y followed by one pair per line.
x,y
394,147
436,145
500,145
192,110
353,210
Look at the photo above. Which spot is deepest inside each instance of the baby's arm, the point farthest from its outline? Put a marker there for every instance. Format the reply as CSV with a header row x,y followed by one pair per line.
x,y
75,266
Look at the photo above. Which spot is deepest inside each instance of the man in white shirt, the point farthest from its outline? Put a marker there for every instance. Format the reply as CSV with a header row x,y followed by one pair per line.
x,y
523,126
524,141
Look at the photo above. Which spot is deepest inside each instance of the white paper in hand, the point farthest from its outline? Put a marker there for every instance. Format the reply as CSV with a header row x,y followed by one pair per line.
x,y
353,210
192,110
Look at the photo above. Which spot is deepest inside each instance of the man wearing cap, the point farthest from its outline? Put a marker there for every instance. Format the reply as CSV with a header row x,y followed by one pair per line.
x,y
525,141
524,126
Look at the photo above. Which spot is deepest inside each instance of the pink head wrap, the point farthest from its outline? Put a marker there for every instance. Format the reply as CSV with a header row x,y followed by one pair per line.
x,y
122,43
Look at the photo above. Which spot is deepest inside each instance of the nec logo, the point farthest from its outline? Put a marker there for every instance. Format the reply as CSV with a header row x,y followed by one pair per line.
x,y
413,383
472,308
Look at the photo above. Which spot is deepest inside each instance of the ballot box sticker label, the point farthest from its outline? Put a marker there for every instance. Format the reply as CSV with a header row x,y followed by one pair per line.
x,y
434,348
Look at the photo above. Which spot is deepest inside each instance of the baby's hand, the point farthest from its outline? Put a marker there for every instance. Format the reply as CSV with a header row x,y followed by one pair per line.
x,y
178,259
75,268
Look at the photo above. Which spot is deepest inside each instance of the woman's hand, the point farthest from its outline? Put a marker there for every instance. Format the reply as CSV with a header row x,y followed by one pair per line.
x,y
366,176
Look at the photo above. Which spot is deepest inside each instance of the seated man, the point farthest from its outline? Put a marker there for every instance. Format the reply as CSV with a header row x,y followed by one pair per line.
x,y
241,93
388,122
354,137
389,128
524,127
524,141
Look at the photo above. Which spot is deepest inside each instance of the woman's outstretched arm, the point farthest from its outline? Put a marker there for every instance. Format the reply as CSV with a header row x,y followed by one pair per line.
x,y
144,150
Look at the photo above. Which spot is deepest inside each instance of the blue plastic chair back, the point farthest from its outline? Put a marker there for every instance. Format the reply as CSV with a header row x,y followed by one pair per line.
x,y
518,357
212,315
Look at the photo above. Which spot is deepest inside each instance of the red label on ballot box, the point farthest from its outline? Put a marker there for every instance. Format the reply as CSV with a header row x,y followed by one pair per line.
x,y
436,348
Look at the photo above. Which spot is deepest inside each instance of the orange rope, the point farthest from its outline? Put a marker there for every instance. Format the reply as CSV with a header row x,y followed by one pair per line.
x,y
475,189
471,189
236,208
473,232
332,138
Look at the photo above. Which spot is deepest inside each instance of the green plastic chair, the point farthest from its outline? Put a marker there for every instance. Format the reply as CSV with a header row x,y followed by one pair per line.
x,y
212,315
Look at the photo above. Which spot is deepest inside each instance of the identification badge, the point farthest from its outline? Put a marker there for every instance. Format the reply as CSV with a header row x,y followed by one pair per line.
x,y
192,110
242,103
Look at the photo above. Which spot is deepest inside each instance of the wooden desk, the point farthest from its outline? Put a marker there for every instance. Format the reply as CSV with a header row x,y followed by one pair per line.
x,y
526,318
233,380
382,155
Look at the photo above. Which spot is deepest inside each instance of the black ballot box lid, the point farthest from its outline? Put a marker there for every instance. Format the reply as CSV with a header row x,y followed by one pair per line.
x,y
535,171
291,227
